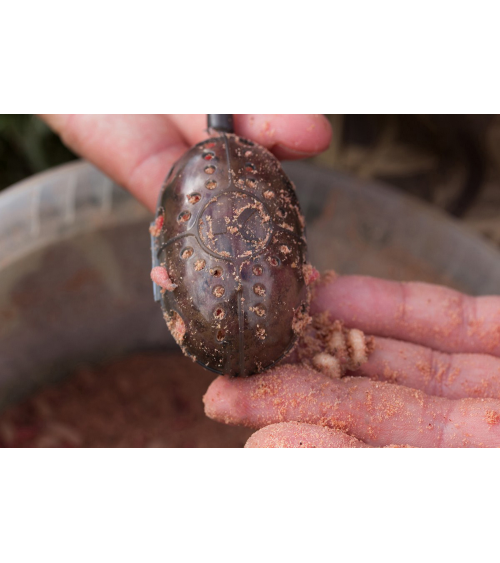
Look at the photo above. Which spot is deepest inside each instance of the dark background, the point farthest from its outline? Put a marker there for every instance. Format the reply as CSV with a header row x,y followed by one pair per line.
x,y
27,146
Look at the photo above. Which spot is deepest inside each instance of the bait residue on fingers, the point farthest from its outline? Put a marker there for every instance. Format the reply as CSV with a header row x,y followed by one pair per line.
x,y
327,364
329,347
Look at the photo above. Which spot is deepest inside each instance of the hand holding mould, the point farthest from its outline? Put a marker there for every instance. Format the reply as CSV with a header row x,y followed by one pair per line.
x,y
434,376
137,151
230,247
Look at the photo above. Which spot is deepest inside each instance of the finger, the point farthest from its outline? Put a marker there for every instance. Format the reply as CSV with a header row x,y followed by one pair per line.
x,y
430,315
136,151
299,435
454,376
377,413
287,136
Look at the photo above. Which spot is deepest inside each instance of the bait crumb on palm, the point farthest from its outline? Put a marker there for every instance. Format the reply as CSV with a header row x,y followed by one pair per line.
x,y
358,349
492,417
160,277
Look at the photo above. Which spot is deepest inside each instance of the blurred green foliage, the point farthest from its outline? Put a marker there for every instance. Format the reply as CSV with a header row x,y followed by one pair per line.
x,y
27,146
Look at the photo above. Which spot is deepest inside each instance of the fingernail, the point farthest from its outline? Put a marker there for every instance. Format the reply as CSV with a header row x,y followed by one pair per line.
x,y
284,152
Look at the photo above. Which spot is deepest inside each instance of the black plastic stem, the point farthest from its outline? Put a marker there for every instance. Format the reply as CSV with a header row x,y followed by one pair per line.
x,y
220,122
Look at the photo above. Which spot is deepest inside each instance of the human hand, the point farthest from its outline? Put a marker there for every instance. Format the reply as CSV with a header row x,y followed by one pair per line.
x,y
433,379
137,151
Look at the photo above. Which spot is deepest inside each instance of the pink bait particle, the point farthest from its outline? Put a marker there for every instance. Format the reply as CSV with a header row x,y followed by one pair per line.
x,y
160,277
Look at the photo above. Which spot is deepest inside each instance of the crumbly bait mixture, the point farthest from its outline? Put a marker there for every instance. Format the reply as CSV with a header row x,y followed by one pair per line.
x,y
329,347
310,274
142,400
333,349
177,327
327,364
155,229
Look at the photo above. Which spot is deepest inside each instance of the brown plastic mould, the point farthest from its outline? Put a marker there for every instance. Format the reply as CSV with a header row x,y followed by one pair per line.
x,y
229,257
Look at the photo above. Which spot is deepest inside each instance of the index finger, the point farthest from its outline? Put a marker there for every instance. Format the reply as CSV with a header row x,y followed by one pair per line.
x,y
430,315
377,413
136,151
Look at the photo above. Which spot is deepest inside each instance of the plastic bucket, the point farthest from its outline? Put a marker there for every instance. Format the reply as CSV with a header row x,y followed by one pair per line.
x,y
75,262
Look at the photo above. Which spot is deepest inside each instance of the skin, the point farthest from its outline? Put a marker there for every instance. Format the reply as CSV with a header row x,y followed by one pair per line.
x,y
137,151
434,377
432,381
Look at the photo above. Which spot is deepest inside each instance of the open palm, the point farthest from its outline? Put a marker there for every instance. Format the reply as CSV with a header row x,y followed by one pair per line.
x,y
433,379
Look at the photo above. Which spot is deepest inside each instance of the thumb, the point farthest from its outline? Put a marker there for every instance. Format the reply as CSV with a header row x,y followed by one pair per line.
x,y
300,435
